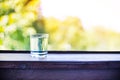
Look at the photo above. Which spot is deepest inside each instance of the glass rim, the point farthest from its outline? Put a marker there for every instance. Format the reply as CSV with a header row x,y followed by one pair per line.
x,y
39,35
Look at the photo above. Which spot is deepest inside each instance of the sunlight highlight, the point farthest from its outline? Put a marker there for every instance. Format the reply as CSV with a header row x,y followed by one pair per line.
x,y
91,12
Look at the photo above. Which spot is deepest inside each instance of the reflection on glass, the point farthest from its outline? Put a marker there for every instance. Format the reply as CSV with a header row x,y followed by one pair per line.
x,y
38,45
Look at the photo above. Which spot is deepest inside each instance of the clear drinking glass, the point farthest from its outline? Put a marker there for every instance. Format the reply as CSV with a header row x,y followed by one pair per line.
x,y
38,45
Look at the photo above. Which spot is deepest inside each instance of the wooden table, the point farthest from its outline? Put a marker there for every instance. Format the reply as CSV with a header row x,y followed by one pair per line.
x,y
19,66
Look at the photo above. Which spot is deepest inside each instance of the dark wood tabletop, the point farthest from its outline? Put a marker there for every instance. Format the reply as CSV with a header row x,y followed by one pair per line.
x,y
73,66
60,57
19,60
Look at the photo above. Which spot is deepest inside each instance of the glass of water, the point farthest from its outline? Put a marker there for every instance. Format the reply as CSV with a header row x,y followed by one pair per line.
x,y
38,45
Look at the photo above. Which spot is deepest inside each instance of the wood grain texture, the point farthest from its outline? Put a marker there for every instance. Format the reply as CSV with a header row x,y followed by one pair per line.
x,y
17,66
56,74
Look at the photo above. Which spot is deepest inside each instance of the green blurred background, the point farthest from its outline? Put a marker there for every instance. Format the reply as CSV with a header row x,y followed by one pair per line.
x,y
20,18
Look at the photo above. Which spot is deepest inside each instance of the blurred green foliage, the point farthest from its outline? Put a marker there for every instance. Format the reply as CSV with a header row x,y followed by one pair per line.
x,y
20,18
65,35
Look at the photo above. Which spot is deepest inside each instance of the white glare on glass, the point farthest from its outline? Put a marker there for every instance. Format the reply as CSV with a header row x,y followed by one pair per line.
x,y
38,44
